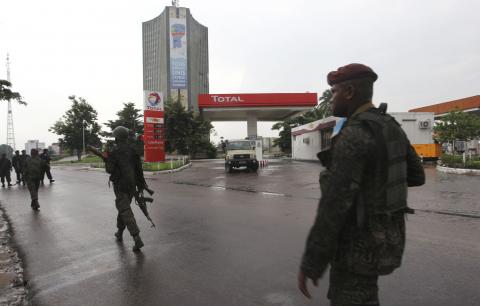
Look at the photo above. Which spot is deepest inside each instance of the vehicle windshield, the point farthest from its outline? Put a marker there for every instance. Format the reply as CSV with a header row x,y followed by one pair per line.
x,y
239,145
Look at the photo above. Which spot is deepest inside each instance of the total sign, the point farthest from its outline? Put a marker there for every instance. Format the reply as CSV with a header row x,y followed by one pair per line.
x,y
153,126
153,100
257,100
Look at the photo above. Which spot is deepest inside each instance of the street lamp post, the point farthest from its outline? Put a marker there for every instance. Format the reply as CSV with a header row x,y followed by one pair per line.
x,y
83,135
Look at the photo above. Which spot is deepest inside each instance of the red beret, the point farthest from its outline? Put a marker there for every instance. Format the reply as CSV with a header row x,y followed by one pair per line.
x,y
350,72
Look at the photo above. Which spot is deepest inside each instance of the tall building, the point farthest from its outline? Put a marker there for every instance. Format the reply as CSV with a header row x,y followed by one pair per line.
x,y
175,56
34,144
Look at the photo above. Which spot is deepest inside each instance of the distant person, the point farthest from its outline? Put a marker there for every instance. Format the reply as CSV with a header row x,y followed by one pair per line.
x,y
17,165
5,169
125,168
33,170
223,146
359,229
23,158
46,157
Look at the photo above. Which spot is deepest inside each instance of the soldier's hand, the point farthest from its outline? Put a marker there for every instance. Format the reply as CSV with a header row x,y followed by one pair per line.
x,y
302,284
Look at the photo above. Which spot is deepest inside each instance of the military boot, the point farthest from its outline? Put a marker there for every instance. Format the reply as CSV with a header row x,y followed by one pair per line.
x,y
138,243
35,205
119,235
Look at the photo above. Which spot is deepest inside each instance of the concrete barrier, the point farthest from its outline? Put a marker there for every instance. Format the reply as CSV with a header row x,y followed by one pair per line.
x,y
458,170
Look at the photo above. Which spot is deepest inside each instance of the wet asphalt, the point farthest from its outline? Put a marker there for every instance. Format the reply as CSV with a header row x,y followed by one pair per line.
x,y
229,239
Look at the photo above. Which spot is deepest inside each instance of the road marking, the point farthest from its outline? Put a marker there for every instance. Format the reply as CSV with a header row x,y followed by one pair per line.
x,y
274,194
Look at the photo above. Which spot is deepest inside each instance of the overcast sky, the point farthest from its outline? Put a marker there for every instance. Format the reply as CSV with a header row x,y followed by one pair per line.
x,y
424,52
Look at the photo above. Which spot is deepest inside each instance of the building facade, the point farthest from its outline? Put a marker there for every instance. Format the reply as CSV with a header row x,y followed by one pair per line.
x,y
34,144
469,105
175,56
314,137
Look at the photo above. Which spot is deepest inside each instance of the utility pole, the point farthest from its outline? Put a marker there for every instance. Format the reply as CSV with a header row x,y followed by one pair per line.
x,y
10,130
83,135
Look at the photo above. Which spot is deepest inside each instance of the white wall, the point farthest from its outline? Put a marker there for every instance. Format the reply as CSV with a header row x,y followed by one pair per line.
x,y
307,145
410,123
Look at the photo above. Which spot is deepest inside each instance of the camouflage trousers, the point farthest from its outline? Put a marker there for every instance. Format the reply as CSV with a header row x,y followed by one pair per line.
x,y
6,177
349,289
125,217
33,186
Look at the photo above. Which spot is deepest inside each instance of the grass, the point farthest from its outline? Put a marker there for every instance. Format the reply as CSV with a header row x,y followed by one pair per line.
x,y
97,162
86,160
150,167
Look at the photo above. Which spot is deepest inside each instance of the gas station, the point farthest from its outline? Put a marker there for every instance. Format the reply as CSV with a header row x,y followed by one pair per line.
x,y
255,107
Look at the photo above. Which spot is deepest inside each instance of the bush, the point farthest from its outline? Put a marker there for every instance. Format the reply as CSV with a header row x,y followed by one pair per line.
x,y
456,161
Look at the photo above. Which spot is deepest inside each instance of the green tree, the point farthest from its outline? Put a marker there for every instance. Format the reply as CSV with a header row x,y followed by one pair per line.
x,y
129,117
6,93
457,125
185,132
322,110
79,120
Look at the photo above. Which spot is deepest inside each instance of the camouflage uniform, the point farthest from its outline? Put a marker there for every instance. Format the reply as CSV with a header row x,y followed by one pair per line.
x,y
46,157
17,165
5,169
125,168
355,230
33,170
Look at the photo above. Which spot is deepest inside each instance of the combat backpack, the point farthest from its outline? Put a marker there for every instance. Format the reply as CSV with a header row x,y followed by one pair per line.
x,y
381,207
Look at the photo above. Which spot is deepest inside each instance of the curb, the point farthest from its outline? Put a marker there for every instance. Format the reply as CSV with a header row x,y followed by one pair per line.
x,y
145,173
12,282
458,170
168,171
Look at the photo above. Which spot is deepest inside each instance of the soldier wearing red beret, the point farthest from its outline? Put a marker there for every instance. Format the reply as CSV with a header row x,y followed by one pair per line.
x,y
359,230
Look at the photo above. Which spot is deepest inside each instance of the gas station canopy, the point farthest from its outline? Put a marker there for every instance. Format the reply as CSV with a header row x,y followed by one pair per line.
x,y
263,106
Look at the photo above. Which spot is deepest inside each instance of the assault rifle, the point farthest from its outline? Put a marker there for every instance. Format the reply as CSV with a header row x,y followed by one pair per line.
x,y
141,200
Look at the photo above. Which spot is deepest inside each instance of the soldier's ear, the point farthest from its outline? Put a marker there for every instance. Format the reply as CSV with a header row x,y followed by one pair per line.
x,y
349,91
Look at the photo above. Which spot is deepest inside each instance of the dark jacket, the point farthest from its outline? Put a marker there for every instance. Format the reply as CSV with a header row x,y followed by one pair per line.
x,y
45,157
17,163
34,168
5,166
125,168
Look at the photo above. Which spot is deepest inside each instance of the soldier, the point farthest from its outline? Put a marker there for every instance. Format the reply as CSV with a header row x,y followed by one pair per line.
x,y
22,160
359,229
17,165
46,157
33,170
5,169
125,168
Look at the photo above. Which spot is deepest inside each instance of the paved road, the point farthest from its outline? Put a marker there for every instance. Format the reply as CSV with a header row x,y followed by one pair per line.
x,y
228,239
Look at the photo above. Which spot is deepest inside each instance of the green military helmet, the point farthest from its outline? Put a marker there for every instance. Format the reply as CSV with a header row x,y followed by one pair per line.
x,y
120,133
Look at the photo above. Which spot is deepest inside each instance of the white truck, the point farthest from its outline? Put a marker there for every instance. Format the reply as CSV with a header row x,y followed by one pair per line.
x,y
241,153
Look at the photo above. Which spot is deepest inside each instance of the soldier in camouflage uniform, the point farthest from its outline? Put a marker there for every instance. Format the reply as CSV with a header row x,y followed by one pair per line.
x,y
17,165
33,170
5,169
359,229
125,168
